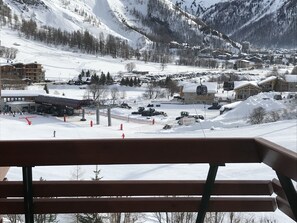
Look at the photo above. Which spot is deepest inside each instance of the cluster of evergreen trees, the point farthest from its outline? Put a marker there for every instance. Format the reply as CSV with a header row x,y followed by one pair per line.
x,y
83,41
132,82
103,79
103,45
160,18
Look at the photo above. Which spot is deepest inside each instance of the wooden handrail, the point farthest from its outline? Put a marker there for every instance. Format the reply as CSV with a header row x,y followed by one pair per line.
x,y
146,196
278,158
151,204
128,151
136,188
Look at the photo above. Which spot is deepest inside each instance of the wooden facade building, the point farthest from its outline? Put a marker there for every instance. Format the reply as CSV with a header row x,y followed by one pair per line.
x,y
32,72
243,90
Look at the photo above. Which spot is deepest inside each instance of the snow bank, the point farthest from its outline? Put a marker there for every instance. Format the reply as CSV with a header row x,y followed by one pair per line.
x,y
244,109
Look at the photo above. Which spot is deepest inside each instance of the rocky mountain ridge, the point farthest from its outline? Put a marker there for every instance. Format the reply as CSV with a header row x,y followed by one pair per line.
x,y
264,23
139,22
196,23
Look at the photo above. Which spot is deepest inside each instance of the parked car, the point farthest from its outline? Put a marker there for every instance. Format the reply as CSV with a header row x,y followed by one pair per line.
x,y
215,106
149,112
188,115
125,105
139,111
277,97
186,120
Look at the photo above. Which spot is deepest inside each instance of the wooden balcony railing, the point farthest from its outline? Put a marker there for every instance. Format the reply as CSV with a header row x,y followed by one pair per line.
x,y
34,197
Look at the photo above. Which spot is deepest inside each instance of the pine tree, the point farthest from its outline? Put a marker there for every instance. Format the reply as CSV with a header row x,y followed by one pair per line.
x,y
88,73
102,80
127,81
131,82
45,218
95,79
91,217
109,79
135,82
122,82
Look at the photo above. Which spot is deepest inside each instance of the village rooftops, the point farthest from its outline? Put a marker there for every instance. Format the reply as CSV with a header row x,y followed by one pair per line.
x,y
291,78
211,87
21,93
240,84
268,79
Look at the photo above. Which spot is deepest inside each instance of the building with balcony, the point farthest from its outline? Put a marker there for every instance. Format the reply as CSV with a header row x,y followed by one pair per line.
x,y
32,72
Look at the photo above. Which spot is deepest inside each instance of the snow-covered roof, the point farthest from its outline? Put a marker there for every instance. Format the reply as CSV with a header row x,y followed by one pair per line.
x,y
244,61
240,84
291,78
86,78
191,87
268,79
5,64
21,93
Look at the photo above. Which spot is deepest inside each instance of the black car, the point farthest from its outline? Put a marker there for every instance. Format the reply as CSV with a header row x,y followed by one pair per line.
x,y
215,106
125,105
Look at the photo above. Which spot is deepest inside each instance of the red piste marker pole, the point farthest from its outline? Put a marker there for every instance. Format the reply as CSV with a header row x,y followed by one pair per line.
x,y
28,121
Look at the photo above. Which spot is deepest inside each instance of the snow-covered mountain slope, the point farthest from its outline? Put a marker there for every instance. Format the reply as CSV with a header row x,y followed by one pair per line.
x,y
95,16
145,21
137,21
195,7
261,22
61,65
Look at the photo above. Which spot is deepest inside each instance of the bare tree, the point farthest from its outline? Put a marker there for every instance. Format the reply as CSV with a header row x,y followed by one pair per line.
x,y
172,217
114,93
172,86
159,217
123,94
14,218
214,217
234,217
97,92
150,91
257,116
163,65
115,217
77,173
159,92
272,116
130,66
